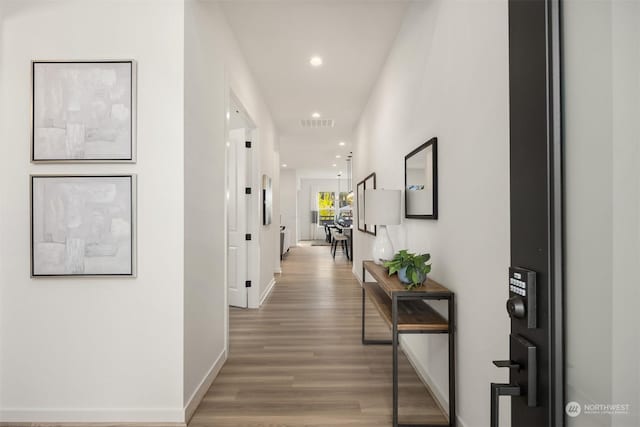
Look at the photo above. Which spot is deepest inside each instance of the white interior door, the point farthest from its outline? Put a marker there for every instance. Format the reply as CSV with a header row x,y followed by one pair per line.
x,y
237,251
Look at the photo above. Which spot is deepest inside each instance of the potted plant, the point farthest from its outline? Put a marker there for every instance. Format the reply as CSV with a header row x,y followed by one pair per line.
x,y
412,269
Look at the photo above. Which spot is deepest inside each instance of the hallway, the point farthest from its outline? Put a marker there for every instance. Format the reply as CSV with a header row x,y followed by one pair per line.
x,y
298,361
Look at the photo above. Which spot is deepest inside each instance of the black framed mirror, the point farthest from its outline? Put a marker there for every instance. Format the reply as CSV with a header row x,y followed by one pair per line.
x,y
360,204
368,182
421,181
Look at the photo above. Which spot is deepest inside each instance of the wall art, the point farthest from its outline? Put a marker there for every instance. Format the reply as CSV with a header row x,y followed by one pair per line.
x,y
82,225
83,111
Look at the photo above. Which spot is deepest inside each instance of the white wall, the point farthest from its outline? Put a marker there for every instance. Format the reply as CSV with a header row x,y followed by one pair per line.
x,y
241,82
602,103
214,66
94,349
447,76
205,233
588,166
625,366
289,203
129,349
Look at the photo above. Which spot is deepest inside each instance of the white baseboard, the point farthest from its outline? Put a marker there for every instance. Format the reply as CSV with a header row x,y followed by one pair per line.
x,y
267,291
441,399
97,416
357,277
203,387
90,424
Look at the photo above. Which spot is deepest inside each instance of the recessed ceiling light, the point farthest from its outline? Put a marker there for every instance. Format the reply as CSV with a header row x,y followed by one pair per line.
x,y
334,165
341,143
315,61
284,165
338,156
316,115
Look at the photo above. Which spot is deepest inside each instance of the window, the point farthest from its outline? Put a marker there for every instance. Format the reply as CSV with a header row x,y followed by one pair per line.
x,y
326,207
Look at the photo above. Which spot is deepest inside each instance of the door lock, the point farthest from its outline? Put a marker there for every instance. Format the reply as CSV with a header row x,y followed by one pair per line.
x,y
516,308
521,304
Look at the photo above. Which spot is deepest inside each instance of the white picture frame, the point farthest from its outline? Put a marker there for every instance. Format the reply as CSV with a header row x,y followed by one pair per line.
x,y
83,111
83,225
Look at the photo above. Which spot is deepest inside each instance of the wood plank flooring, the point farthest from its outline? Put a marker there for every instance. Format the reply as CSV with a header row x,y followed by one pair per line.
x,y
298,361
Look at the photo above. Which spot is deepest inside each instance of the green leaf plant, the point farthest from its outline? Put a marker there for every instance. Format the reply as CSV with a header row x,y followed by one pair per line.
x,y
416,265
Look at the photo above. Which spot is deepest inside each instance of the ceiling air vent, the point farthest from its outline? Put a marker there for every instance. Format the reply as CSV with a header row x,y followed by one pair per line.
x,y
317,123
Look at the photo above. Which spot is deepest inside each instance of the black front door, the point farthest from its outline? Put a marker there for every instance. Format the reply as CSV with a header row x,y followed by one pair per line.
x,y
575,214
532,282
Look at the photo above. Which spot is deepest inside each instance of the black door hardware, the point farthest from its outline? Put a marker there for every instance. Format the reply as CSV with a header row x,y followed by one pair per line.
x,y
523,373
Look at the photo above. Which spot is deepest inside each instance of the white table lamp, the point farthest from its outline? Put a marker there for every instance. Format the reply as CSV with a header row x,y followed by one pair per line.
x,y
382,208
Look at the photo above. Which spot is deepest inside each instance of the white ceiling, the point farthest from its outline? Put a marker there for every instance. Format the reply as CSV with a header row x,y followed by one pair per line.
x,y
279,37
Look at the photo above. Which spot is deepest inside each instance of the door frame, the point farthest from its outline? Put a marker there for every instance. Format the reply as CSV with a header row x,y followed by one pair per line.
x,y
535,66
237,163
253,214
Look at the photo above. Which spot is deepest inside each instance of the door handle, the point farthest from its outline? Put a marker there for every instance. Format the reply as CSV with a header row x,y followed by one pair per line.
x,y
506,364
498,390
523,376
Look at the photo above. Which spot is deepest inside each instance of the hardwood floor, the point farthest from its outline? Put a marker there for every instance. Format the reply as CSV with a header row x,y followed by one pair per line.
x,y
298,361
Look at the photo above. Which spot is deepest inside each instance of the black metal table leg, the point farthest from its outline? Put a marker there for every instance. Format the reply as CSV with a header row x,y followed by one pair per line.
x,y
363,297
452,361
394,338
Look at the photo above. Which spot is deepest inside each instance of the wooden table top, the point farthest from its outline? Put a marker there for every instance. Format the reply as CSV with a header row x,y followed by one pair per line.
x,y
391,284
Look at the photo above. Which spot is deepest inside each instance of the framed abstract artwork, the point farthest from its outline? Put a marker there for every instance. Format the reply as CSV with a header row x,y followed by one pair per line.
x,y
83,225
83,111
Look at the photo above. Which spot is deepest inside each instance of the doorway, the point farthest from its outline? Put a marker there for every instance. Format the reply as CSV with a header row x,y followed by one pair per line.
x,y
242,215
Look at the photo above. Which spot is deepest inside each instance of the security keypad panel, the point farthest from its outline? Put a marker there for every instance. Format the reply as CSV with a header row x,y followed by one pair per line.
x,y
522,296
517,285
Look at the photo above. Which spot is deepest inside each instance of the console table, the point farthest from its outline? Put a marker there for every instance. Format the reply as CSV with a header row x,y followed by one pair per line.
x,y
406,312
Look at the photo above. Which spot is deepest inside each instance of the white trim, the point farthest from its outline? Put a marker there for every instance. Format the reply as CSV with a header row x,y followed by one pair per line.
x,y
268,291
441,400
113,416
91,424
200,391
358,279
